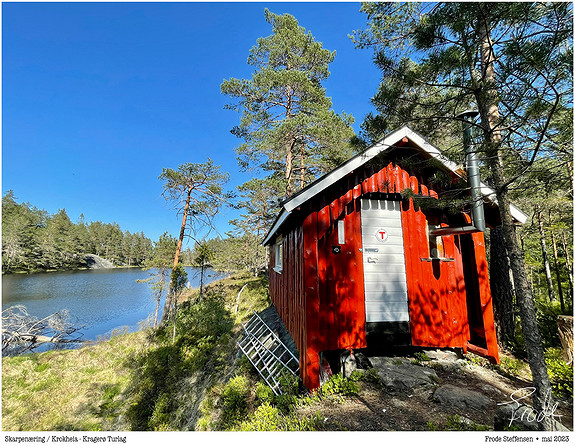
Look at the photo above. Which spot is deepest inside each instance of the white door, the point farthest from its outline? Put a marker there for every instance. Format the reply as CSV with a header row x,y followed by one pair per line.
x,y
383,261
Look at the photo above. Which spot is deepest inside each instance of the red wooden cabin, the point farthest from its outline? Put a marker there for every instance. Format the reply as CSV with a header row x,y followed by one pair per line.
x,y
357,259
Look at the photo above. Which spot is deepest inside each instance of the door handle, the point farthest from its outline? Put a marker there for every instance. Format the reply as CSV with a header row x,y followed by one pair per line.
x,y
371,260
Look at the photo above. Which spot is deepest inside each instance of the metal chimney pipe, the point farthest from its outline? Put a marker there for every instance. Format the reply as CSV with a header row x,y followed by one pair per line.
x,y
472,170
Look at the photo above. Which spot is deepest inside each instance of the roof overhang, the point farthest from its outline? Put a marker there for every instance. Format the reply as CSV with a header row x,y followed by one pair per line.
x,y
357,161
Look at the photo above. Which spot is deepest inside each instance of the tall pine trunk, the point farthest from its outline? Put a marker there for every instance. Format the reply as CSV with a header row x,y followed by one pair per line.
x,y
544,253
487,100
170,298
289,145
557,266
289,188
183,227
302,166
501,289
568,265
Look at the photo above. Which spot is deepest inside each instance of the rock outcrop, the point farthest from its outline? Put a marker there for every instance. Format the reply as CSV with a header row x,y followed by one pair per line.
x,y
96,262
461,398
400,374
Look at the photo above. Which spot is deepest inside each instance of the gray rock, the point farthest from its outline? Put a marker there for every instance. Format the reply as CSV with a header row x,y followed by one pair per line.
x,y
520,417
401,374
449,365
442,355
96,262
461,398
489,389
508,415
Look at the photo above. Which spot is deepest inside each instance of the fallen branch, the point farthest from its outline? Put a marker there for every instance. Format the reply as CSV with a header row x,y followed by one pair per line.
x,y
22,332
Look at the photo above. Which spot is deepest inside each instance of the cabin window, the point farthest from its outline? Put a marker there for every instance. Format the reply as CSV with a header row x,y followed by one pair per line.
x,y
435,243
340,232
279,255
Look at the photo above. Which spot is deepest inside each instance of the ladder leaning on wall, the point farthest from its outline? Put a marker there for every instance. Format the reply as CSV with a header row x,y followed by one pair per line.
x,y
267,353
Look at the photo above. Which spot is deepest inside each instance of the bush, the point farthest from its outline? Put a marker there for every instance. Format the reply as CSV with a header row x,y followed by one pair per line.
x,y
269,418
560,373
420,357
547,313
264,393
338,385
510,367
265,418
234,401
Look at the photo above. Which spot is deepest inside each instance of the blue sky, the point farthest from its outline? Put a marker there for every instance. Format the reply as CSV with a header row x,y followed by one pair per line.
x,y
98,97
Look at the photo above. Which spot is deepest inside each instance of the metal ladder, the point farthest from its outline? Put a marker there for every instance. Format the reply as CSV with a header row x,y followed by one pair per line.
x,y
267,353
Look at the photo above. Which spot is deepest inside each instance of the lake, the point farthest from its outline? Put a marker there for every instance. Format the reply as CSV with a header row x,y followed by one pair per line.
x,y
102,300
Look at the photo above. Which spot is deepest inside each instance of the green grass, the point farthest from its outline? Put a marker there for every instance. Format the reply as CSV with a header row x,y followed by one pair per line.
x,y
456,423
63,390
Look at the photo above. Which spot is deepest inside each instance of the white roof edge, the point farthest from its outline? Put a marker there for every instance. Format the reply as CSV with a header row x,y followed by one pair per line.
x,y
362,158
281,218
348,167
516,213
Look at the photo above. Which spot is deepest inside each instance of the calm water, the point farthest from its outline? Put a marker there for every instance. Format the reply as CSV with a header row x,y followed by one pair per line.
x,y
100,299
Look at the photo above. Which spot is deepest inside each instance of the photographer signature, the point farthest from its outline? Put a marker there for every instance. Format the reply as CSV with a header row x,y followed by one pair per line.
x,y
531,415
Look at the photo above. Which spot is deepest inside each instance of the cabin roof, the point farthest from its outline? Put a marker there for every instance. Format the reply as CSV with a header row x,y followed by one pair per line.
x,y
318,186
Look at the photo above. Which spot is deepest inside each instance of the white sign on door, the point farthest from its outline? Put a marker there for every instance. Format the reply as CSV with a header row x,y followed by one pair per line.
x,y
381,235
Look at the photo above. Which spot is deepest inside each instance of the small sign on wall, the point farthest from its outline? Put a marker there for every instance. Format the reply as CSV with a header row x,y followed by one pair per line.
x,y
381,235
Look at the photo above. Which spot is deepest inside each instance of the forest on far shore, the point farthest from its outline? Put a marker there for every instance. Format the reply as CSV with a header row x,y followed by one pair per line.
x,y
35,240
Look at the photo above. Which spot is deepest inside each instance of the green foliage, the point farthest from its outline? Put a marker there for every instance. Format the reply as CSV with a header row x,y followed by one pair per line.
x,y
547,313
202,329
203,255
197,191
234,401
268,418
455,423
264,393
162,252
369,376
420,357
338,385
111,405
510,366
265,418
560,373
178,279
290,386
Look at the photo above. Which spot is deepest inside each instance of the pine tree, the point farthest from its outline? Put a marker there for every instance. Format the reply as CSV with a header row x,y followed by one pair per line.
x,y
160,262
202,259
287,122
197,191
